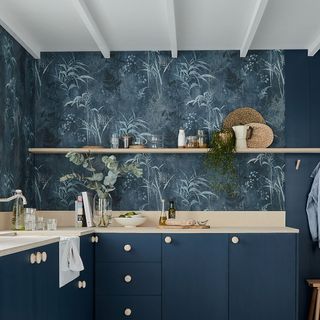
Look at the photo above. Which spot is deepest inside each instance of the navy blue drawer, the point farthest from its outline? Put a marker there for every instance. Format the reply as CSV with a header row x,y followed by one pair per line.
x,y
142,278
142,308
128,247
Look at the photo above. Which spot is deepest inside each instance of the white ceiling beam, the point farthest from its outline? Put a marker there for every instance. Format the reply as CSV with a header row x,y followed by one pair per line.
x,y
27,43
314,47
172,28
92,26
253,26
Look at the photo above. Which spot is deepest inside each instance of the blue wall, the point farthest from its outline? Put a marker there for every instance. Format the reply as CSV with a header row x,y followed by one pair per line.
x,y
16,117
83,98
302,130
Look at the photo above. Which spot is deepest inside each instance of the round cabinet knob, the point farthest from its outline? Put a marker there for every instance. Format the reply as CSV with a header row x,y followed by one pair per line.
x,y
127,312
44,256
38,257
93,239
33,258
168,240
84,284
128,278
96,239
235,240
80,284
127,248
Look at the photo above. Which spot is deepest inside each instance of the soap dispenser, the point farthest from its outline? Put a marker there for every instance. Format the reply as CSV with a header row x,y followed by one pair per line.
x,y
18,211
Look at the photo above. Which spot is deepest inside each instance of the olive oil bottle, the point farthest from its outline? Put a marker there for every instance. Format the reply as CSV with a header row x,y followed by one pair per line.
x,y
172,210
163,216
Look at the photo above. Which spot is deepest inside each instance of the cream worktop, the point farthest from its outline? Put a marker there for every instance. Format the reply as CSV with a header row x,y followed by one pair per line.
x,y
13,242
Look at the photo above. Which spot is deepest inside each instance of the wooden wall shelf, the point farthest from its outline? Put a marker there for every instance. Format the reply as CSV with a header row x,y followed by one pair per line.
x,y
165,150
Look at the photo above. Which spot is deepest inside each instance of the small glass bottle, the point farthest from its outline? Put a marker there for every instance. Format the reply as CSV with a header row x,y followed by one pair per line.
x,y
18,212
163,216
172,210
181,138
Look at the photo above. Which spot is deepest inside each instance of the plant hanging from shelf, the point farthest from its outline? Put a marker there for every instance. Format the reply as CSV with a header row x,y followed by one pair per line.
x,y
101,173
220,158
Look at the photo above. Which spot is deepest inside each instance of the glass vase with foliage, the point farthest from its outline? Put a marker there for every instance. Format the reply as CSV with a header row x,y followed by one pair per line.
x,y
220,158
100,175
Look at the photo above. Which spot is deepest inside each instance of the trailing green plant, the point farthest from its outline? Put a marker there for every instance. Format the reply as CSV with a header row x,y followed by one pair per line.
x,y
220,158
101,173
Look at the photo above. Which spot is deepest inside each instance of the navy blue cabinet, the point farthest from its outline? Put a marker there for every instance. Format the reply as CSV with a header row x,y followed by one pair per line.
x,y
27,290
195,276
77,303
128,277
263,277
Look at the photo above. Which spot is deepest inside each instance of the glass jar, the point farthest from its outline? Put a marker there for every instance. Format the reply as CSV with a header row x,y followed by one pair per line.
x,y
102,210
192,142
202,139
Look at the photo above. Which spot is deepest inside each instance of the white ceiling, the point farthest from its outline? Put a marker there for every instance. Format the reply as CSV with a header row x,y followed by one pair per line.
x,y
129,25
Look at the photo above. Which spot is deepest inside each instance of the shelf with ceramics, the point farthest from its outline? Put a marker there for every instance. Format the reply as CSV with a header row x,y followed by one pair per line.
x,y
165,150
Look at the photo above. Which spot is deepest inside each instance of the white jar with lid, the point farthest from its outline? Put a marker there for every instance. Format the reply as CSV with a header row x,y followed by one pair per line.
x,y
181,138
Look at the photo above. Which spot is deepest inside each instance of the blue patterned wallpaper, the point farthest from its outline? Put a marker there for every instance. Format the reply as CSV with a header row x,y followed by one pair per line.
x,y
16,117
81,99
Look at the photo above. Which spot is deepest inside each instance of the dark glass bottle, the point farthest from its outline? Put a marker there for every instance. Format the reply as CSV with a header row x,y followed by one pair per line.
x,y
171,211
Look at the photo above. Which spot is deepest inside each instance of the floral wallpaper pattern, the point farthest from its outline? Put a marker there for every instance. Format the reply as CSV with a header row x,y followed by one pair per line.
x,y
16,118
81,99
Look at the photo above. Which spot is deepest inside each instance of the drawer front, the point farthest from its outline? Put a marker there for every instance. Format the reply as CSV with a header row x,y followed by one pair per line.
x,y
128,247
114,308
128,278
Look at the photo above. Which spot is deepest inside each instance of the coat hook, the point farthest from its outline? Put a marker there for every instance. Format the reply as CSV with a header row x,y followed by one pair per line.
x,y
298,162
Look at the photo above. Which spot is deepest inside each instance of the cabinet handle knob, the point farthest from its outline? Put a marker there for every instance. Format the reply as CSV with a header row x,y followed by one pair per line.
x,y
127,312
80,284
44,256
33,258
38,257
127,248
84,284
128,278
168,240
94,239
235,240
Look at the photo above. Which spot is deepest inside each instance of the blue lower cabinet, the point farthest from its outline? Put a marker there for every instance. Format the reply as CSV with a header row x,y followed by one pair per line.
x,y
77,302
263,277
27,291
195,276
16,286
129,307
128,247
128,278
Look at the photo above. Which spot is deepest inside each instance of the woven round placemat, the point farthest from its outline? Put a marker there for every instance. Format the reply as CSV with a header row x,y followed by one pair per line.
x,y
261,137
242,116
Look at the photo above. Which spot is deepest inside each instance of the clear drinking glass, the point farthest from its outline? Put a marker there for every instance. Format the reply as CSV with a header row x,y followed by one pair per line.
x,y
115,141
156,141
40,224
52,224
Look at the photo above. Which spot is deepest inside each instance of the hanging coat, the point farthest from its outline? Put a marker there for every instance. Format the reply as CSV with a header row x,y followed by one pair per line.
x,y
313,205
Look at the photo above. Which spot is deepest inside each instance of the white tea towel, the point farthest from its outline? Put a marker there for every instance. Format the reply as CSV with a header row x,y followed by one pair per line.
x,y
70,260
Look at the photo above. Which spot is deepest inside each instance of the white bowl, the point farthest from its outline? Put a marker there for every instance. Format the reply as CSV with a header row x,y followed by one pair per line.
x,y
131,222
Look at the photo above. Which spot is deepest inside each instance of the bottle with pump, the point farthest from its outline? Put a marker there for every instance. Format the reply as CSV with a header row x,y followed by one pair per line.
x,y
163,216
18,211
172,210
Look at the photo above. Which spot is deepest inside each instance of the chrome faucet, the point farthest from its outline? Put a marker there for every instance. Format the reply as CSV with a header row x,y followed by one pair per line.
x,y
18,194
